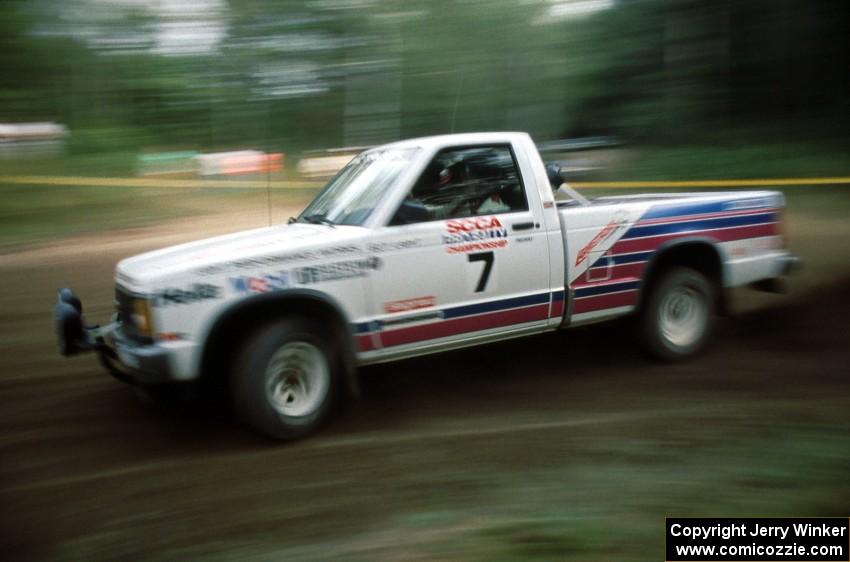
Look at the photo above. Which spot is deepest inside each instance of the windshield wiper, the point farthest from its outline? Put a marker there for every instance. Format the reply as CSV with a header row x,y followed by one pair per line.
x,y
319,219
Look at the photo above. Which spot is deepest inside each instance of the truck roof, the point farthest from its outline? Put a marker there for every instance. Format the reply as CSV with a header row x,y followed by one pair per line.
x,y
459,138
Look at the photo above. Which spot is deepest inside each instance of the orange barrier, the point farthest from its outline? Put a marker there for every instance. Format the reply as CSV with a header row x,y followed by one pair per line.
x,y
251,163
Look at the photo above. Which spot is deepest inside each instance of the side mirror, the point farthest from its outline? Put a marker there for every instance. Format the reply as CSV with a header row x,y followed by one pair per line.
x,y
555,175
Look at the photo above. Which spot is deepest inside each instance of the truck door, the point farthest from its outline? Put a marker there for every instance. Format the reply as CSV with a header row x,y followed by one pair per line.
x,y
463,258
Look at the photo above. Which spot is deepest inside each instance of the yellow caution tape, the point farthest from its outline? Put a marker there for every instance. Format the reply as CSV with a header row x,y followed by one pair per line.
x,y
289,184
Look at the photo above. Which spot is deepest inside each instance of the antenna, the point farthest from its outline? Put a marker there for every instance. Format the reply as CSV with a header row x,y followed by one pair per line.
x,y
457,99
269,187
268,162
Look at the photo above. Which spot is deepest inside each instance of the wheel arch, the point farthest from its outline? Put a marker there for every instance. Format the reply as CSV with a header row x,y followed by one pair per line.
x,y
699,253
235,323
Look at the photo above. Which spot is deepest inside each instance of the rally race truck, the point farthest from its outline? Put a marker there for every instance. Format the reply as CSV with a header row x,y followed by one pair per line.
x,y
417,247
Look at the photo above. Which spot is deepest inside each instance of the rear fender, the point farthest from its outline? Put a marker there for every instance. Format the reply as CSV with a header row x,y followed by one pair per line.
x,y
676,252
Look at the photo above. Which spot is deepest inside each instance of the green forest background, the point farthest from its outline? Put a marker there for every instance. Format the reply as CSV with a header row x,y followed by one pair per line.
x,y
702,87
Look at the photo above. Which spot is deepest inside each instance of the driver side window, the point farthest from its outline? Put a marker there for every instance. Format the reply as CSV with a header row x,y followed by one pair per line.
x,y
465,182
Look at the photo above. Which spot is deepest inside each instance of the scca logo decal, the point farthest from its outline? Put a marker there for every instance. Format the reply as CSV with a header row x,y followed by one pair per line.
x,y
471,225
473,234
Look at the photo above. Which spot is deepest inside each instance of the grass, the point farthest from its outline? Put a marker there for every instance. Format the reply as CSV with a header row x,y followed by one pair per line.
x,y
36,213
822,201
594,494
771,475
30,213
119,163
105,164
603,494
733,161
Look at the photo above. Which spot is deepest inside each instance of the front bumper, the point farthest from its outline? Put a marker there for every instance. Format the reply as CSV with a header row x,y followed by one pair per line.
x,y
126,359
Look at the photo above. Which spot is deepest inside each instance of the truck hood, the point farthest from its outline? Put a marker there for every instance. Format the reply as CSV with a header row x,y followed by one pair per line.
x,y
144,270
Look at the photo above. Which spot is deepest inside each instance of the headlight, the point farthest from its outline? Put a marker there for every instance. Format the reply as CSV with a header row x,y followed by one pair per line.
x,y
134,310
141,317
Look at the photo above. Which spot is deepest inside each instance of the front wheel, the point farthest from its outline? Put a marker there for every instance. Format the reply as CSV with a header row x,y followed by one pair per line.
x,y
678,316
284,379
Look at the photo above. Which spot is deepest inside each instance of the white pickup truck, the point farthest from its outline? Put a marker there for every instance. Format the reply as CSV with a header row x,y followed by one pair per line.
x,y
417,247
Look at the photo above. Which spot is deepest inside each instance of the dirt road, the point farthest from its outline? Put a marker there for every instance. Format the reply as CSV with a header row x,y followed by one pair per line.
x,y
567,446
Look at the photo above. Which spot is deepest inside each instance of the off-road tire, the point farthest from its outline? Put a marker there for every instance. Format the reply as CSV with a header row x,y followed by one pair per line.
x,y
678,316
284,380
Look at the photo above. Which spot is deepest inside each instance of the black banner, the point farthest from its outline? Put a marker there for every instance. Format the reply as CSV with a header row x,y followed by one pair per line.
x,y
745,539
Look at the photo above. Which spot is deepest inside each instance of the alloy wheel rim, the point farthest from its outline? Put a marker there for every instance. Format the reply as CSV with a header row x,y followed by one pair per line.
x,y
297,379
682,316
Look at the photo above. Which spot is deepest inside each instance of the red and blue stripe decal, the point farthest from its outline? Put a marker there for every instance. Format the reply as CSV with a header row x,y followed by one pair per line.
x,y
456,320
626,261
628,257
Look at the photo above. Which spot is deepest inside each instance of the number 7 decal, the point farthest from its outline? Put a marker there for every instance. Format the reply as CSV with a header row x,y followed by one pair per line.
x,y
487,258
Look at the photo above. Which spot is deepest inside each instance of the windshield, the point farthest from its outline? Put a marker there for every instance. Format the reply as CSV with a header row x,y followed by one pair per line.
x,y
354,193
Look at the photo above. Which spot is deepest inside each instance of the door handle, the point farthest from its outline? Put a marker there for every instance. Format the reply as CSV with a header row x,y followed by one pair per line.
x,y
522,226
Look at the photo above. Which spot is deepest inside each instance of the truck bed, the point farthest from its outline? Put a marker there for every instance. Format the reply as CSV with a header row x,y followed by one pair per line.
x,y
610,243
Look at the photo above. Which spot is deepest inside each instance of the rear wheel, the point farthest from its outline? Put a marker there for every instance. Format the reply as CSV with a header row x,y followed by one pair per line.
x,y
677,319
284,380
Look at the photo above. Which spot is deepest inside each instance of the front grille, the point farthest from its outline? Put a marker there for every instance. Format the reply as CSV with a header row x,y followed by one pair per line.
x,y
124,304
